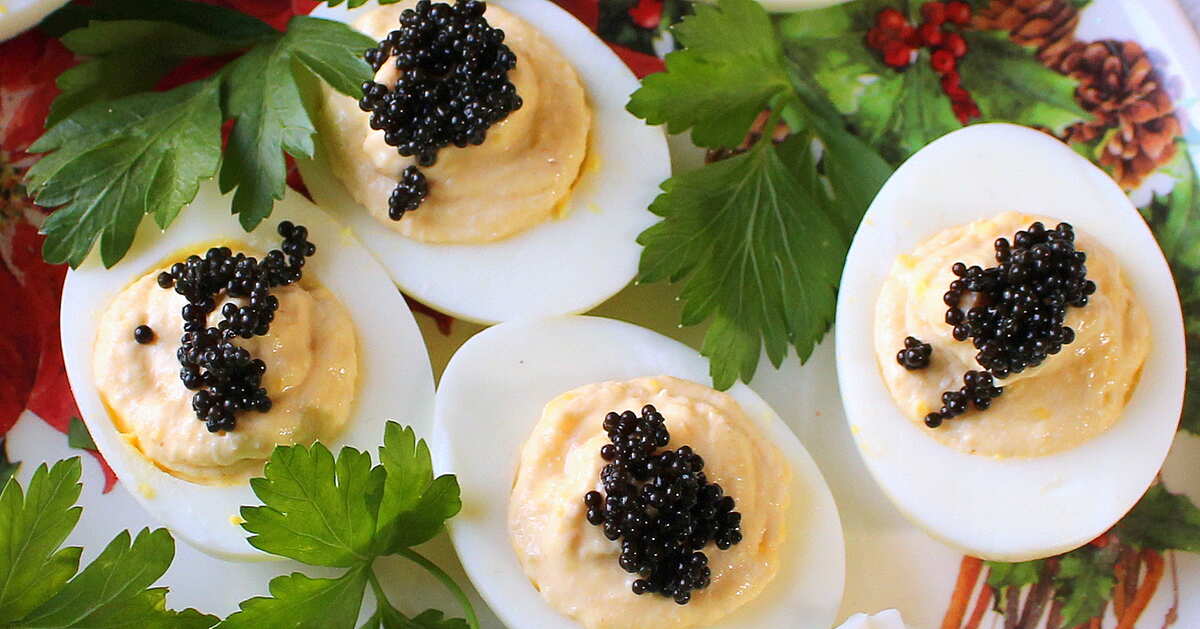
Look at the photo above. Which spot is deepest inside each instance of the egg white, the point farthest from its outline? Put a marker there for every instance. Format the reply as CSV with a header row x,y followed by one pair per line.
x,y
1012,509
395,380
562,266
491,395
16,16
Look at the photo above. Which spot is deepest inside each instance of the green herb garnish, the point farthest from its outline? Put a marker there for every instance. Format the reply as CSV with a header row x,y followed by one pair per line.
x,y
347,513
40,582
117,152
759,239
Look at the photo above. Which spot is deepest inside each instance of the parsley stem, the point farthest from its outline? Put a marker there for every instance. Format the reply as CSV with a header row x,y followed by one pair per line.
x,y
440,575
381,598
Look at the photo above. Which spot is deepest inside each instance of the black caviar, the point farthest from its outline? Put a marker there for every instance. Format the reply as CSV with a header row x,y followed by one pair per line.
x,y
915,354
143,334
979,389
453,85
226,378
660,506
1015,319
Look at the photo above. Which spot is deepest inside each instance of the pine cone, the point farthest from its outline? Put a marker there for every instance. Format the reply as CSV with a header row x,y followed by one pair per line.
x,y
1048,25
1119,86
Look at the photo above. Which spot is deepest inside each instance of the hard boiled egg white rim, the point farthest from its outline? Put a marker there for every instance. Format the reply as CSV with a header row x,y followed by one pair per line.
x,y
491,395
1019,508
562,266
395,379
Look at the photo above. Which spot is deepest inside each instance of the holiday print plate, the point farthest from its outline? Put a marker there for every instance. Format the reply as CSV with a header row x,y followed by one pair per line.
x,y
1118,80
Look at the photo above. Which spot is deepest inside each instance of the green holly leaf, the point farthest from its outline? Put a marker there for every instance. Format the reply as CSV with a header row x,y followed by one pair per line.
x,y
1002,576
315,510
110,163
754,244
1162,521
1011,85
899,112
1175,221
1018,575
730,68
78,435
415,505
112,591
1084,583
829,43
33,525
301,602
261,91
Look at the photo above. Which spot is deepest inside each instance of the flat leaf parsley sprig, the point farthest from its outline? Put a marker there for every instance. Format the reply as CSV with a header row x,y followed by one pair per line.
x,y
759,239
40,581
346,513
117,151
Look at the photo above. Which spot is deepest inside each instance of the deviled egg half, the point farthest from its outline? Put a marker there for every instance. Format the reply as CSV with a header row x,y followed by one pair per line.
x,y
607,486
504,181
1010,344
190,362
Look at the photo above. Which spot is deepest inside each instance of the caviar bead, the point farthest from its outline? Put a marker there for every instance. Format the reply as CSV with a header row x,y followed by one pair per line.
x,y
143,334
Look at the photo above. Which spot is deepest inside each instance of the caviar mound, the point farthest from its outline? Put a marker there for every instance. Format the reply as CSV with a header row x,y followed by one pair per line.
x,y
226,377
452,84
1050,401
660,506
1017,312
522,176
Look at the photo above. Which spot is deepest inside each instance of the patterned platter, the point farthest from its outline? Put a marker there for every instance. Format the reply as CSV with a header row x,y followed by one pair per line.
x,y
1118,80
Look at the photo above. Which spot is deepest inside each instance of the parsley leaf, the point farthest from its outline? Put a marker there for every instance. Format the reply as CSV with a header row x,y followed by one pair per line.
x,y
33,525
346,513
113,589
39,586
117,152
304,603
7,467
115,161
78,435
1084,583
197,16
263,94
758,239
415,505
730,50
317,511
1162,521
753,241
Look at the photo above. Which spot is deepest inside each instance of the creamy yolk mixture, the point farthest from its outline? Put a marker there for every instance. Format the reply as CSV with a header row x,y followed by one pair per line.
x,y
518,178
312,366
1070,398
571,562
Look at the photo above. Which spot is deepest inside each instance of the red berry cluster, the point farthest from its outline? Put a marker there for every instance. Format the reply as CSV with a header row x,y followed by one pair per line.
x,y
898,42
